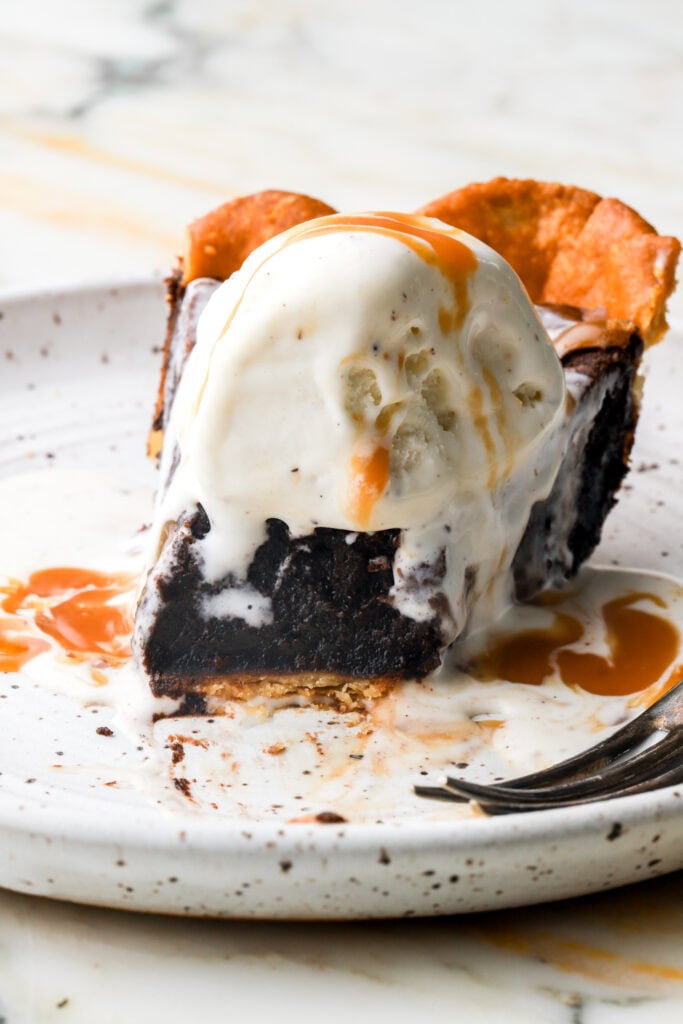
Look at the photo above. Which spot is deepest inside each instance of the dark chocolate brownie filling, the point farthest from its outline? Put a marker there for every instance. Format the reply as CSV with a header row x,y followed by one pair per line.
x,y
330,612
564,529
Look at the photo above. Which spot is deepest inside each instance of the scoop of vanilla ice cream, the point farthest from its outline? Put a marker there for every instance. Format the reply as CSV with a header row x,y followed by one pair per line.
x,y
366,373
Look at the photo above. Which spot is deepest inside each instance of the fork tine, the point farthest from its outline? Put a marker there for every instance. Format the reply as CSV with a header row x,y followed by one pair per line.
x,y
596,774
495,805
665,713
658,758
646,769
439,793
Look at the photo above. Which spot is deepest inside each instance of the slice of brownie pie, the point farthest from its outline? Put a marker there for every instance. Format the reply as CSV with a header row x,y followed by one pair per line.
x,y
372,438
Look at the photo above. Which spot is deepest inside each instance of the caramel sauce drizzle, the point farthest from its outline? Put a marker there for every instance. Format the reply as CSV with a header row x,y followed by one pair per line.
x,y
475,402
369,474
77,609
445,320
481,421
369,479
442,249
642,647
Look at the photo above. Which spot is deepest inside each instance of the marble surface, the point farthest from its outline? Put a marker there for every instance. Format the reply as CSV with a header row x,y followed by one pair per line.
x,y
612,959
119,121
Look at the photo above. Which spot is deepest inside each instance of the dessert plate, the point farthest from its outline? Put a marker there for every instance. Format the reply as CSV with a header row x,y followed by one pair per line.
x,y
288,812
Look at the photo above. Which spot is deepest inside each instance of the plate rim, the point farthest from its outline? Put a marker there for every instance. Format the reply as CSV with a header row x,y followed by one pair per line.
x,y
22,813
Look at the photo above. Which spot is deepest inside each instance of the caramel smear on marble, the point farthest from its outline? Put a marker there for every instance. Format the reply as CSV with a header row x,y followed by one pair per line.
x,y
642,647
60,209
584,959
75,146
86,614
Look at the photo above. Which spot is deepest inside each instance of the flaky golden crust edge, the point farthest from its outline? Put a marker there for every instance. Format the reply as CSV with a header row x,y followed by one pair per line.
x,y
569,245
345,693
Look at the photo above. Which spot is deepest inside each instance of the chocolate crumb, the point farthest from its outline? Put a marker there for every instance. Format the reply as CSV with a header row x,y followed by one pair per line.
x,y
104,730
384,857
184,786
330,818
615,831
178,752
285,866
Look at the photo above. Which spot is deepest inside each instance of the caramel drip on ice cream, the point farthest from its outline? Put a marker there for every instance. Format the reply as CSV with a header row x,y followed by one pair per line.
x,y
475,401
439,248
369,478
369,474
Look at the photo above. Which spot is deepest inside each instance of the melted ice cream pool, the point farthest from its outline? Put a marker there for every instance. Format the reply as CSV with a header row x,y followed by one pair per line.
x,y
361,767
369,372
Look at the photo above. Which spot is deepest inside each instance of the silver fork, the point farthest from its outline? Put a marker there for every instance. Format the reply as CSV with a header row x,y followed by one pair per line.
x,y
617,766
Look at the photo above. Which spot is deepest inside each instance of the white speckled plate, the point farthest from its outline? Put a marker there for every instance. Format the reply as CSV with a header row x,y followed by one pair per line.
x,y
118,820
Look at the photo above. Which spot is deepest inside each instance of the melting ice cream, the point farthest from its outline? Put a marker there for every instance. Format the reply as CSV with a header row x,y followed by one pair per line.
x,y
363,373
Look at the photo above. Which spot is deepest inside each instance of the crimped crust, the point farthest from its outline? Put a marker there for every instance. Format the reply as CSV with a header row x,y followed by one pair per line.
x,y
570,246
219,243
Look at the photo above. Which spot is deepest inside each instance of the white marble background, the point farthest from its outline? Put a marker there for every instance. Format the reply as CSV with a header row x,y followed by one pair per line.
x,y
122,119
610,959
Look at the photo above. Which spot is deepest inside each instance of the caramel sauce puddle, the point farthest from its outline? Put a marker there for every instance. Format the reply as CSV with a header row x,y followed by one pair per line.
x,y
79,610
642,646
